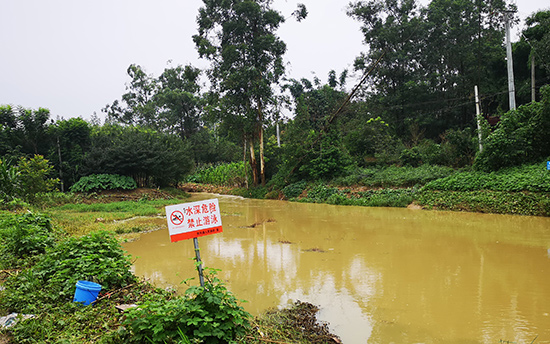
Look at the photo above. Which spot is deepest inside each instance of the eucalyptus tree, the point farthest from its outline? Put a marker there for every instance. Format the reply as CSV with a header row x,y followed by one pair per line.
x,y
393,30
179,101
239,38
170,103
531,66
465,48
137,106
430,59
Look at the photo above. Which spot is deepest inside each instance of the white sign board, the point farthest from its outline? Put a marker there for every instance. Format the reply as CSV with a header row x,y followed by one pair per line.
x,y
193,220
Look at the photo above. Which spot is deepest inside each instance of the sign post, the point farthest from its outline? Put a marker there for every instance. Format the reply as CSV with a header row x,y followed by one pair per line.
x,y
193,220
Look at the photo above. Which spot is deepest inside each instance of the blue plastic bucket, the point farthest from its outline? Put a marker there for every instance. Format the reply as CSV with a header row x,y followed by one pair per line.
x,y
86,292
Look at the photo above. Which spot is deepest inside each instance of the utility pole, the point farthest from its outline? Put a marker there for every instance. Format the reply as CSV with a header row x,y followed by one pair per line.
x,y
533,89
511,89
478,116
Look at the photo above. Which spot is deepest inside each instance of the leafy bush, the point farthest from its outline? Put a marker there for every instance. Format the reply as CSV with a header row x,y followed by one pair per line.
x,y
152,158
497,202
533,178
228,174
34,176
97,257
394,176
28,180
320,193
208,314
9,180
370,198
294,190
24,236
96,182
258,192
522,136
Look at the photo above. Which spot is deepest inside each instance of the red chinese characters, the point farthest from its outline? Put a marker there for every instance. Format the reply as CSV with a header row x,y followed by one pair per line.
x,y
194,219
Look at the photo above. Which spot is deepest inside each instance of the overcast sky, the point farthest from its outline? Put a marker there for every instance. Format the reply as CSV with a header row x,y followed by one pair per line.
x,y
71,56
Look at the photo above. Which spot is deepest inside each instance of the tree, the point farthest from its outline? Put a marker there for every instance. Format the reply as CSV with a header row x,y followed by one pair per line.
x,y
522,136
533,47
137,106
238,37
171,103
152,158
393,30
314,149
24,131
179,101
72,141
430,60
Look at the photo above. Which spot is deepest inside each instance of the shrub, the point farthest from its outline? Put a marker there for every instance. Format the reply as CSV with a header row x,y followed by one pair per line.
x,y
52,280
321,193
34,177
24,236
97,182
533,178
28,180
208,314
9,180
394,176
294,190
258,192
228,174
523,135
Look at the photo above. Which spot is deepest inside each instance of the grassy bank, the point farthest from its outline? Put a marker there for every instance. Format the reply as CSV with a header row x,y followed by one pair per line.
x,y
43,253
523,190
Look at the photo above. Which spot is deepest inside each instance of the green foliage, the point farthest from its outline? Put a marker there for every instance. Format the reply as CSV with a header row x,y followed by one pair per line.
x,y
534,178
10,184
228,174
28,180
294,190
209,314
24,131
522,136
152,158
24,236
320,193
34,176
411,157
71,142
170,103
370,198
52,280
394,176
257,192
497,202
98,182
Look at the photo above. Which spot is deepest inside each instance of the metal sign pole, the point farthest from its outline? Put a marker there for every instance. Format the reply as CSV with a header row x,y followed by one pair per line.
x,y
199,262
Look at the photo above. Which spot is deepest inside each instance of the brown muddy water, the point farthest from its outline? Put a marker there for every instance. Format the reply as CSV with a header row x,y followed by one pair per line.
x,y
379,275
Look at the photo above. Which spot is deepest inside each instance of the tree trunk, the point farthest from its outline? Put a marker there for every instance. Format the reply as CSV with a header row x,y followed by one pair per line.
x,y
253,164
244,164
262,161
261,137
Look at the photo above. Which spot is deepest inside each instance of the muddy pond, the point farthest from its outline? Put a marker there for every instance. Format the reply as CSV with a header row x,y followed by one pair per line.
x,y
379,275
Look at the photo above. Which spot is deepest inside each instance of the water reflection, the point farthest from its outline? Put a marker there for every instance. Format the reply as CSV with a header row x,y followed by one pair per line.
x,y
379,275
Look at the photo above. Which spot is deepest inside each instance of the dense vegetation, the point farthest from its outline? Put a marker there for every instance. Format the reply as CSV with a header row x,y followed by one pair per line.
x,y
415,107
407,134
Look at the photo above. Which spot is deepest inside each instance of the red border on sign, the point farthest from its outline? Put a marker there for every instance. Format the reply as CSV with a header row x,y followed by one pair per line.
x,y
196,234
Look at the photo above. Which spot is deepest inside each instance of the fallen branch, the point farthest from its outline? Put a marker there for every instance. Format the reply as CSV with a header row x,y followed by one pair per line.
x,y
108,295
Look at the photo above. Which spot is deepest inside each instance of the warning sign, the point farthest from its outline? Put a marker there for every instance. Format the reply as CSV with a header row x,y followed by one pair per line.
x,y
176,218
192,220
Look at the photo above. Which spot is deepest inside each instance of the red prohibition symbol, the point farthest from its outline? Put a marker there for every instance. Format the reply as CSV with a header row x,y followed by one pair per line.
x,y
176,218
